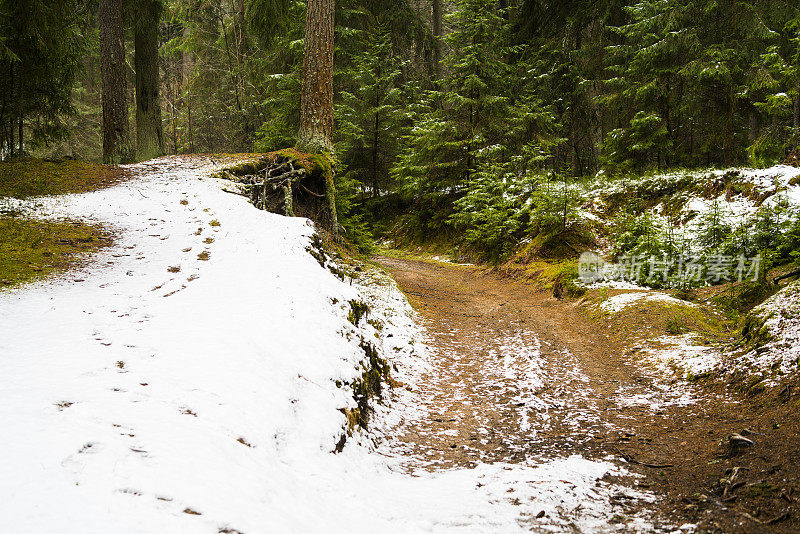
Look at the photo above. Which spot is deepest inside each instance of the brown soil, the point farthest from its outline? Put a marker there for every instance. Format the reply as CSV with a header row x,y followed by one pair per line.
x,y
478,404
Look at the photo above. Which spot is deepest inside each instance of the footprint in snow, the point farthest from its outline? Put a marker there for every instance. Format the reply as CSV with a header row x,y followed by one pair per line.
x,y
173,292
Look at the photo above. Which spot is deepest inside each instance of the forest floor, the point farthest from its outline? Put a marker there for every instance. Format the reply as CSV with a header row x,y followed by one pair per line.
x,y
518,374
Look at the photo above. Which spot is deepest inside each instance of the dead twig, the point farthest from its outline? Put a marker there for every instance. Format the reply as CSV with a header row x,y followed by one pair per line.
x,y
630,459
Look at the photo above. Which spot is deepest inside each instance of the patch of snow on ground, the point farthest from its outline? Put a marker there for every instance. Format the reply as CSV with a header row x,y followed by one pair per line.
x,y
673,359
780,314
137,399
610,284
684,353
617,303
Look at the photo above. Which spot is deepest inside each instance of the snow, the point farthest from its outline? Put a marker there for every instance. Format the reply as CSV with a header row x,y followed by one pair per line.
x,y
780,315
617,303
209,399
685,354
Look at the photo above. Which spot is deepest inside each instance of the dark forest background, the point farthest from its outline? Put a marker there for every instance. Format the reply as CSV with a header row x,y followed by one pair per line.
x,y
435,101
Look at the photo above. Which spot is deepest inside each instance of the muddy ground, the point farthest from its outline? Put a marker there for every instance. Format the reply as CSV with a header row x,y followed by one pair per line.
x,y
519,374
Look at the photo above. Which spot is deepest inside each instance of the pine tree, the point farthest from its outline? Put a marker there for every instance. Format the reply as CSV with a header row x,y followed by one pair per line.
x,y
682,71
39,60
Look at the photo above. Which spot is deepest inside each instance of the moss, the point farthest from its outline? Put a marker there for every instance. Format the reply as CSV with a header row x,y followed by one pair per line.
x,y
742,297
556,276
367,387
376,324
564,284
322,163
248,166
755,332
761,489
32,249
358,310
673,326
35,177
370,384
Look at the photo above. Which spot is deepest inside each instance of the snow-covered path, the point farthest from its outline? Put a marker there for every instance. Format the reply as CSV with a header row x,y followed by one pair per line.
x,y
187,382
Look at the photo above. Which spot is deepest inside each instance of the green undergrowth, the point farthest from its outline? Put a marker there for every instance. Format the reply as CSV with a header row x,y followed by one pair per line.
x,y
755,334
31,249
558,276
35,177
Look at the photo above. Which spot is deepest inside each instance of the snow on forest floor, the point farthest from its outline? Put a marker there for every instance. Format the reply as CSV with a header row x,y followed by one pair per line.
x,y
619,302
186,381
776,324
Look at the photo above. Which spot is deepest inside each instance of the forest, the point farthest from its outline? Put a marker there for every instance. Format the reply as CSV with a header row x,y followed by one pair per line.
x,y
438,105
400,266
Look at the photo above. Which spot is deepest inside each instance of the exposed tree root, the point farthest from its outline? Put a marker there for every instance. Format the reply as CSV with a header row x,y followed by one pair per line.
x,y
290,183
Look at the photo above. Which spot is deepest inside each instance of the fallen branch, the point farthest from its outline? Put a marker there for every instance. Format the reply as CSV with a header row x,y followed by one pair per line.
x,y
777,279
630,459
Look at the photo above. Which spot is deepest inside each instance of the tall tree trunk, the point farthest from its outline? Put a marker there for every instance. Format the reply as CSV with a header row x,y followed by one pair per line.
x,y
316,98
149,131
11,119
752,131
188,67
436,24
375,141
117,145
316,95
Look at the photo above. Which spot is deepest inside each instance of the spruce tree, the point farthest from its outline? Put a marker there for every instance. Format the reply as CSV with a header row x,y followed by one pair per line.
x,y
467,116
369,116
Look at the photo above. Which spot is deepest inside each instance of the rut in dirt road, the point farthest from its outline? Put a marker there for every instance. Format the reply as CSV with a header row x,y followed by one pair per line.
x,y
501,390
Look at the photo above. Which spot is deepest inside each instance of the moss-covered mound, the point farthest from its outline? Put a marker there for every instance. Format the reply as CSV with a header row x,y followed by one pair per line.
x,y
32,249
34,177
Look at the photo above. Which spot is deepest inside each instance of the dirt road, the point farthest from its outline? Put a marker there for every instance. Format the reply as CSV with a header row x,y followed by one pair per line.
x,y
520,375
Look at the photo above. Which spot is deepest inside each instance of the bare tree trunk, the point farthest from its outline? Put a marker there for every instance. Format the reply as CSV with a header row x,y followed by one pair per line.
x,y
752,133
11,119
316,95
437,34
117,145
375,141
316,99
149,131
187,68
